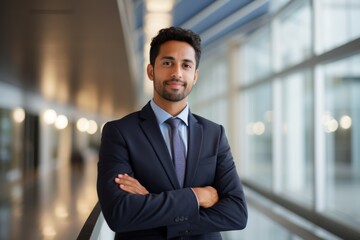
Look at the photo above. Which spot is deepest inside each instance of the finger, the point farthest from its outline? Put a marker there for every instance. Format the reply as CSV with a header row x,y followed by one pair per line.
x,y
133,182
133,189
127,189
127,180
123,181
131,186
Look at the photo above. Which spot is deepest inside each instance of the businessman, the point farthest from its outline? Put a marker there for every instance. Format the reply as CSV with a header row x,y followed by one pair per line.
x,y
164,172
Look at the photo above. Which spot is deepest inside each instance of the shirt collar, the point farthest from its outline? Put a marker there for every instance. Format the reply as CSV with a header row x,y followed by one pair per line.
x,y
162,115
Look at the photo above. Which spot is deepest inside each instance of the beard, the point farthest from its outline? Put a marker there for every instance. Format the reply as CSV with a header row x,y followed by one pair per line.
x,y
172,95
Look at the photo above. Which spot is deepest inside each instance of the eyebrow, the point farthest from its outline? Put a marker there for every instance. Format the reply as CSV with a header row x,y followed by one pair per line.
x,y
173,59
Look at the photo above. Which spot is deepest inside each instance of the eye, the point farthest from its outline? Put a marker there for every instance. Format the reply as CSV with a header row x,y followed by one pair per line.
x,y
187,66
166,63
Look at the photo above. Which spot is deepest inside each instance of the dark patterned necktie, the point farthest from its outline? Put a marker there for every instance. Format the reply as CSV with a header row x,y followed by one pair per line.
x,y
177,149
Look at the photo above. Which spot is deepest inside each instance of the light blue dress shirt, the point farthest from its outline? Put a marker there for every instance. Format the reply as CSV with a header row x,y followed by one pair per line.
x,y
162,116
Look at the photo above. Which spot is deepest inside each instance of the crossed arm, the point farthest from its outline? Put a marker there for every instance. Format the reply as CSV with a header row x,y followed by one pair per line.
x,y
207,196
222,205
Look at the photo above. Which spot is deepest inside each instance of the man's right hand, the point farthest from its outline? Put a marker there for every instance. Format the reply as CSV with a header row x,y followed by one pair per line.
x,y
207,196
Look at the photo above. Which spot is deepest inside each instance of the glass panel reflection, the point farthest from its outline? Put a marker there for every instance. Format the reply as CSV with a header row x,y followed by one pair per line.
x,y
338,22
295,34
11,143
297,137
256,146
210,94
341,122
256,56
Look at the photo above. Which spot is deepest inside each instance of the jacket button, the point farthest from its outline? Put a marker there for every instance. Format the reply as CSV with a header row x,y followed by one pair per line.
x,y
177,219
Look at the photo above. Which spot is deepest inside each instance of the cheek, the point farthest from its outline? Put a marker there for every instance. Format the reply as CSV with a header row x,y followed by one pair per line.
x,y
190,78
162,74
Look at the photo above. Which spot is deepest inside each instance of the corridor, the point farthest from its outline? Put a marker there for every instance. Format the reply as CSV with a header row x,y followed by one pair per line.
x,y
281,76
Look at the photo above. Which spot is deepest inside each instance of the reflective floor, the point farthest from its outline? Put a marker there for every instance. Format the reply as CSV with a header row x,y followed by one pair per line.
x,y
51,206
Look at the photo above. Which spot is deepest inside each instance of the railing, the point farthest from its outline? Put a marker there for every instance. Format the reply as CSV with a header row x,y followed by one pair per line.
x,y
322,222
95,226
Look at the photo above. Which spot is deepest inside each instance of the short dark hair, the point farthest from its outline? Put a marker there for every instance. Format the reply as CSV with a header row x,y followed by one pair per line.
x,y
176,34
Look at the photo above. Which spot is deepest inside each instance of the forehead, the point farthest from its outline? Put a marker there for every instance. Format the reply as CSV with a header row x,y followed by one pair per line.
x,y
178,50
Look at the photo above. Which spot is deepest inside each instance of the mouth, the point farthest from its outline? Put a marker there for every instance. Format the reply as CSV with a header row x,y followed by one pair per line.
x,y
174,83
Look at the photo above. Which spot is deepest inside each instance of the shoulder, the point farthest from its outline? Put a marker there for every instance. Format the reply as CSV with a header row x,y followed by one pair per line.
x,y
127,121
206,123
133,120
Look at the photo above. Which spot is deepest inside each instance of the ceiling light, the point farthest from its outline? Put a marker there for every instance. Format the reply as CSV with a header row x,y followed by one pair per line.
x,y
19,115
159,5
61,122
92,127
82,124
345,122
49,116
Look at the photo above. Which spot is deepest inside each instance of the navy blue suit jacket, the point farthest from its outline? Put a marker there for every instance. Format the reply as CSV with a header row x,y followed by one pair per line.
x,y
135,145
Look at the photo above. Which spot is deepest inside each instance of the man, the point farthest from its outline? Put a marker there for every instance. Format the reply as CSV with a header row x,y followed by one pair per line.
x,y
151,185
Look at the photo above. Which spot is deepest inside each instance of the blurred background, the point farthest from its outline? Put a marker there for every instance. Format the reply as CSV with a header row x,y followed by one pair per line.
x,y
282,76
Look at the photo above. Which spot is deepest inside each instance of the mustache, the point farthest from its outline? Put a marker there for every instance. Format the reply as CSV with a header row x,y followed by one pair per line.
x,y
175,80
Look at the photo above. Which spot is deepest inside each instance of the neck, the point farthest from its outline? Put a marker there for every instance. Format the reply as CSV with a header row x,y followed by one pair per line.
x,y
173,108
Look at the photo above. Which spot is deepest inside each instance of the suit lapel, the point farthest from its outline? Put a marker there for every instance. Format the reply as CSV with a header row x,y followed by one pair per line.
x,y
152,131
195,140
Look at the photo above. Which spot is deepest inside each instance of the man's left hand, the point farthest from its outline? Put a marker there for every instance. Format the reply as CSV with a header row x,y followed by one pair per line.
x,y
130,185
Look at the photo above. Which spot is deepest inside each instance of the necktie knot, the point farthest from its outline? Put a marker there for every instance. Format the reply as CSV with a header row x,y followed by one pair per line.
x,y
173,122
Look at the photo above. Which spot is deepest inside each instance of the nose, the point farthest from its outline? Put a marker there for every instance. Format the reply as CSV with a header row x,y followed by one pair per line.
x,y
176,73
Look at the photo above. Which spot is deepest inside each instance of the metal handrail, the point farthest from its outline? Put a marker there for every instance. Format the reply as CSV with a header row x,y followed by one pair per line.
x,y
292,227
88,228
326,223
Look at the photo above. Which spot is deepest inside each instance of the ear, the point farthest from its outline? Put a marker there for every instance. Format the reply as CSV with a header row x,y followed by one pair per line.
x,y
150,71
196,76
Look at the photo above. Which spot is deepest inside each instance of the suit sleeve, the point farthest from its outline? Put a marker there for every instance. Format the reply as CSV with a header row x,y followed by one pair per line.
x,y
131,212
230,213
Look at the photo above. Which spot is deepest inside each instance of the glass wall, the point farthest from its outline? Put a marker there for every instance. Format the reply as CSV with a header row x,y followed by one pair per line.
x,y
209,97
341,122
256,144
337,23
293,34
11,143
296,110
256,56
297,137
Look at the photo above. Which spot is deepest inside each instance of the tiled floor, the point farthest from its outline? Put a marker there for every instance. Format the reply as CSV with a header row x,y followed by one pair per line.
x,y
52,206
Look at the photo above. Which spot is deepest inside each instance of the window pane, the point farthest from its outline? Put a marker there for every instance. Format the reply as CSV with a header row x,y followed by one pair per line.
x,y
338,22
209,96
297,137
276,4
295,34
212,81
342,135
256,146
256,56
11,148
